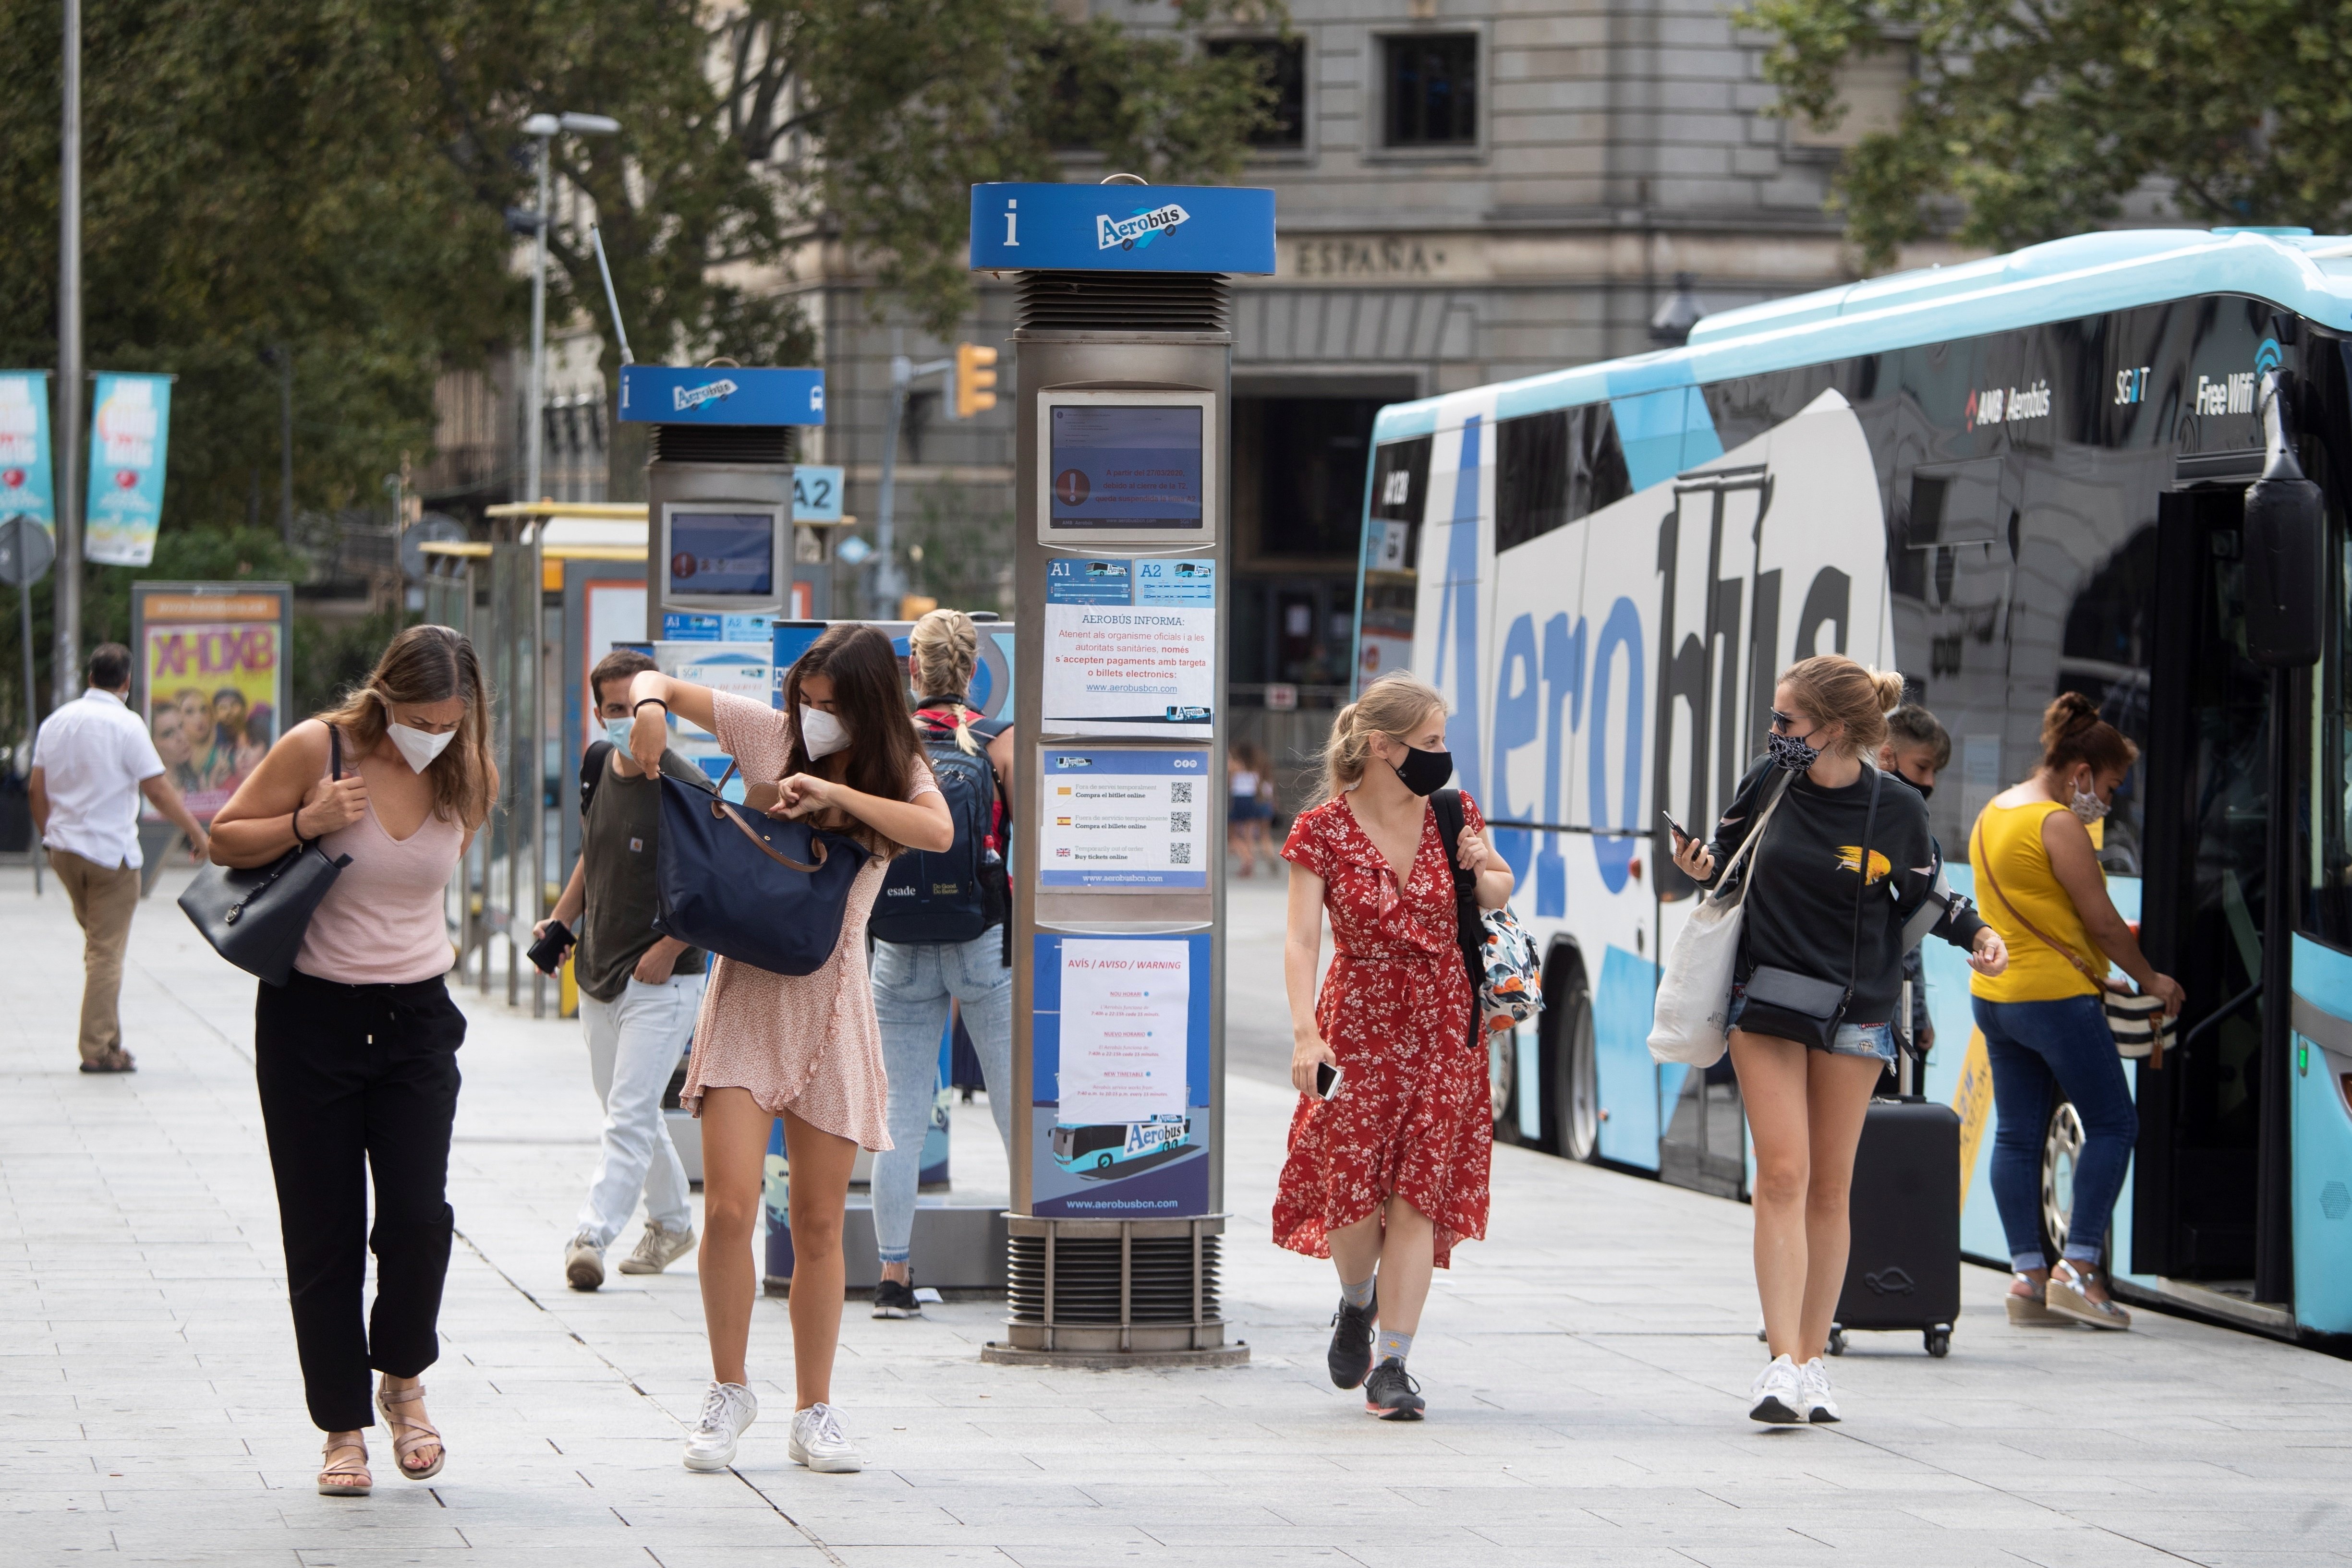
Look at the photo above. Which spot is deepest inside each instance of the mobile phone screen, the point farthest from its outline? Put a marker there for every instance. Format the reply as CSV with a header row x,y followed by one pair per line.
x,y
1327,1080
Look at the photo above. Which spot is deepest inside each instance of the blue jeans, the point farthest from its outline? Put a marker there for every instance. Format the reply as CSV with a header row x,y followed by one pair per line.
x,y
912,983
2038,1050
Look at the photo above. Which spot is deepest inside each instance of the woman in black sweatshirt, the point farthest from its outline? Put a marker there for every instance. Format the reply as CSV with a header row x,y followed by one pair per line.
x,y
1824,849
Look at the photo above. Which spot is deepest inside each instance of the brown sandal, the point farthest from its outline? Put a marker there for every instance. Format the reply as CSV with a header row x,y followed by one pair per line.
x,y
345,1477
408,1434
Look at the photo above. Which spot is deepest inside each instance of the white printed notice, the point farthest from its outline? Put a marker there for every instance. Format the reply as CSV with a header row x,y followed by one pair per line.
x,y
1124,1009
1129,820
1130,647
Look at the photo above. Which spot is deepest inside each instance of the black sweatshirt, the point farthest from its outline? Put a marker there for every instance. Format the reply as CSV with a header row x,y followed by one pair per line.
x,y
1801,894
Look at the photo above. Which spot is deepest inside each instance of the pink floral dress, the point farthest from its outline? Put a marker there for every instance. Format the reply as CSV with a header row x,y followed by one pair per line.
x,y
803,1043
1411,1116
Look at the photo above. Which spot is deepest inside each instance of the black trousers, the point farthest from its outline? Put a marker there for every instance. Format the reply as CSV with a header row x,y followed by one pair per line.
x,y
356,1079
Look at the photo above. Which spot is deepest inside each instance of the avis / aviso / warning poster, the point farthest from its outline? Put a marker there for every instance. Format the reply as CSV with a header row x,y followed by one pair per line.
x,y
1131,646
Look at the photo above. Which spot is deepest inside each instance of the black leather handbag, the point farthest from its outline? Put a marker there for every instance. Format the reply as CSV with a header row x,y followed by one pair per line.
x,y
255,917
747,886
1791,1005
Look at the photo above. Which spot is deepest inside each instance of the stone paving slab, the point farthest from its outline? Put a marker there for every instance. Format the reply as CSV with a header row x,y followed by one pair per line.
x,y
1585,1366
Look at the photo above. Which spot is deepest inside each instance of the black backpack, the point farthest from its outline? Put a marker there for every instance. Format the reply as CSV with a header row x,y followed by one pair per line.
x,y
955,894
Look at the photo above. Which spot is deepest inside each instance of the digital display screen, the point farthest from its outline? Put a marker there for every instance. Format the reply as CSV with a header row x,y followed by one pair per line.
x,y
1132,467
725,554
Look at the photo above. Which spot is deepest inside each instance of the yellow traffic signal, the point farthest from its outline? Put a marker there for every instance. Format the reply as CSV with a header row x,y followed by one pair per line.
x,y
972,380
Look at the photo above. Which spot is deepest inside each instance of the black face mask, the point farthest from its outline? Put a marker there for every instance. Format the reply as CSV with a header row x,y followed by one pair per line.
x,y
1927,791
1424,772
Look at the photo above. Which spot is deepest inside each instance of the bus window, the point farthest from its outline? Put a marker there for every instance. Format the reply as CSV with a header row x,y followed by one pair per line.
x,y
1553,468
1391,555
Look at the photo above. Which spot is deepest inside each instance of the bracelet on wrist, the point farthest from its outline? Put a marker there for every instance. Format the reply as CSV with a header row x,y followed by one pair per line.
x,y
641,701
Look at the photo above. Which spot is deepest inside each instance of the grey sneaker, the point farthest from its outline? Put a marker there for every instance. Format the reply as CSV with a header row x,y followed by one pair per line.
x,y
727,1410
658,1248
583,1263
818,1442
1390,1396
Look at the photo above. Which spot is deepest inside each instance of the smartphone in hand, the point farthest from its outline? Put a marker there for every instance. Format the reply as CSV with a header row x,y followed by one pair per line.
x,y
1327,1080
1676,827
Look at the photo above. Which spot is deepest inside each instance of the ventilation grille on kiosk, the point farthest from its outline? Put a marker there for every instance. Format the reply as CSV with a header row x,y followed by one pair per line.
x,y
1122,302
1086,1279
721,444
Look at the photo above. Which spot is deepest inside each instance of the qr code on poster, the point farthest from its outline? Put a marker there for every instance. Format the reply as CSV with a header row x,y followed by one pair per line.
x,y
1179,792
1180,821
1180,854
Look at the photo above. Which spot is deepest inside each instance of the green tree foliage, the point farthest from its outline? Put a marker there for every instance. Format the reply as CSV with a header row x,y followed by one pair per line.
x,y
2040,117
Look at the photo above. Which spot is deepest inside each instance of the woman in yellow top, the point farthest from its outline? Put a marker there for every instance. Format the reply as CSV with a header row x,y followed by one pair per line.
x,y
2044,1020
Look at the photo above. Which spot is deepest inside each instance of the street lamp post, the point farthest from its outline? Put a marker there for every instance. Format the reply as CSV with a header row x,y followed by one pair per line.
x,y
65,672
546,127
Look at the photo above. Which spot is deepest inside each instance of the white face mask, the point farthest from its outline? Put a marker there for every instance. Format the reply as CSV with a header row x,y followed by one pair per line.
x,y
418,747
2087,805
616,730
822,733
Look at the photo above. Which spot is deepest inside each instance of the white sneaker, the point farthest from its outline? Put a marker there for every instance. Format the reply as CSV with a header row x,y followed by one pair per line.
x,y
1777,1395
1814,1394
818,1442
727,1410
658,1248
584,1262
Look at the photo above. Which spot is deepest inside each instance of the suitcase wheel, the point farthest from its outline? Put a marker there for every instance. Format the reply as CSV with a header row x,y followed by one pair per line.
x,y
1940,1340
1837,1339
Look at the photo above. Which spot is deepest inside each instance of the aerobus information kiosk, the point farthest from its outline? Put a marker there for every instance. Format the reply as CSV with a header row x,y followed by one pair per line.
x,y
1125,367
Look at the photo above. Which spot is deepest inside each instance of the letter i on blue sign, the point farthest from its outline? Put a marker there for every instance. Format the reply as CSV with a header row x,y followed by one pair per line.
x,y
1012,221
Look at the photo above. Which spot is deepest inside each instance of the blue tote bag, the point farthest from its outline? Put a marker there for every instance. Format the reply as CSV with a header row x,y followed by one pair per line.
x,y
762,891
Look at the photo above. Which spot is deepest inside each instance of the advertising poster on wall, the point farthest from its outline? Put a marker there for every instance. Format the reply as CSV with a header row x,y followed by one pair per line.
x,y
1131,646
209,675
128,434
24,447
1123,819
1119,1059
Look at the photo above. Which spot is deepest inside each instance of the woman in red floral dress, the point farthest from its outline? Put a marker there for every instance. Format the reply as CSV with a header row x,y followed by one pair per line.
x,y
1388,1172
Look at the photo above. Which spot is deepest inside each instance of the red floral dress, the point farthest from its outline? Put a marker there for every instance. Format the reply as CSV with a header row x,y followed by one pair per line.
x,y
1411,1113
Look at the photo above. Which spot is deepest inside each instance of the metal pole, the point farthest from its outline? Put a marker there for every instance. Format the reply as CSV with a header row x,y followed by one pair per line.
x,y
2274,1171
885,571
286,444
536,435
71,394
25,619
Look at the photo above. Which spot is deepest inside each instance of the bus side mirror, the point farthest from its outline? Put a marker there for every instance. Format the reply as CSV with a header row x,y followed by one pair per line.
x,y
2284,531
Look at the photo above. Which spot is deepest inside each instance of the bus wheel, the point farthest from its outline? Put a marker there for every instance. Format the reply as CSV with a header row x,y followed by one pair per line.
x,y
2062,1146
1575,1080
1503,1081
1102,1162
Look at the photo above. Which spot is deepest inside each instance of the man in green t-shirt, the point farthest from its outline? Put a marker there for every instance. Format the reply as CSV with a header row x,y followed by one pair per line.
x,y
639,992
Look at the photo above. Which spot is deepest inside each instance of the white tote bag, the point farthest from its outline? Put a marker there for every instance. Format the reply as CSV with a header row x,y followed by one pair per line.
x,y
1694,989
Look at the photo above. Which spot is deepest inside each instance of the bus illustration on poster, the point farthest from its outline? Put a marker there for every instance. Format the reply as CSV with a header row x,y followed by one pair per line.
x,y
1119,1065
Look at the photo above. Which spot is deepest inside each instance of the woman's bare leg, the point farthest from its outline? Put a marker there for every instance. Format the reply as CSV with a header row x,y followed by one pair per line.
x,y
734,1156
1408,1255
1837,1097
821,1163
1773,1080
1356,1248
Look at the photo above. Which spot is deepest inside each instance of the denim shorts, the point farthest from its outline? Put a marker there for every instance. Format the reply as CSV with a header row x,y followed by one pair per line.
x,y
1853,1038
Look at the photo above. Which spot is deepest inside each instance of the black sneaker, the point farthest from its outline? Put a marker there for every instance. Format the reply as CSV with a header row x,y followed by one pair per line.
x,y
1351,1345
895,1299
1390,1394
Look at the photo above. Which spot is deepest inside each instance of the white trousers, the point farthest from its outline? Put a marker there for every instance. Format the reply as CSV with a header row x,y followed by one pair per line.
x,y
634,1042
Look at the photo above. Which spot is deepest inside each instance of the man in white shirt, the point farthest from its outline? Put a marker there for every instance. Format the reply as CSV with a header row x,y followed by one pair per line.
x,y
91,762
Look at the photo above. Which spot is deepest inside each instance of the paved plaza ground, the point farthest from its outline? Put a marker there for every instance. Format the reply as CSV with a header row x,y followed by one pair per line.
x,y
1585,1366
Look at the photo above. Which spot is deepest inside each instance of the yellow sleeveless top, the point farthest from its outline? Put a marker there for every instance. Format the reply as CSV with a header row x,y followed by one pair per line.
x,y
2007,840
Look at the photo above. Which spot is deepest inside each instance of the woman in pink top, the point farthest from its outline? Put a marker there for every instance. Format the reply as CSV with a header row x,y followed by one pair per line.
x,y
356,1055
842,755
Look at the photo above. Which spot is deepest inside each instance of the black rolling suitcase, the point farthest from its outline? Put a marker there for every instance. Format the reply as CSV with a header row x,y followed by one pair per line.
x,y
1903,1271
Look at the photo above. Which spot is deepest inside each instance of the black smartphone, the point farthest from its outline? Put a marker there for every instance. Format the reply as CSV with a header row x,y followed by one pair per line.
x,y
1327,1080
1680,831
546,955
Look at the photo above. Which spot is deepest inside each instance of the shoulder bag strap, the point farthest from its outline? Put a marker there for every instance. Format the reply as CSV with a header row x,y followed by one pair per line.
x,y
1469,921
1861,893
1984,863
334,774
1755,836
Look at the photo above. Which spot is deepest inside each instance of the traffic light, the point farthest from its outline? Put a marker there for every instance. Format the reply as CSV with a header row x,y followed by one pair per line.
x,y
973,380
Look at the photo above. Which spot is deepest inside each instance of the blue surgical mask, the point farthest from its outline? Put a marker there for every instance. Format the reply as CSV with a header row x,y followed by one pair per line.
x,y
616,730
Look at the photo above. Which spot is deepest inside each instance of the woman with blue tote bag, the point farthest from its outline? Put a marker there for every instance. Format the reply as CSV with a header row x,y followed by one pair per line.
x,y
841,757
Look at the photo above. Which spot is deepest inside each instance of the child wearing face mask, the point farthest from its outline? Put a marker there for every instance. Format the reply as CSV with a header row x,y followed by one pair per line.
x,y
2039,884
356,1055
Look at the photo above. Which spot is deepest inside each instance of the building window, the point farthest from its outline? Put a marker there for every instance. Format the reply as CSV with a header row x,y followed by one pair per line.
x,y
1433,90
1283,63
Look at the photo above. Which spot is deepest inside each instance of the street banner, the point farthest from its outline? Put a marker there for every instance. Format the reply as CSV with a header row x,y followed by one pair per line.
x,y
24,447
209,677
129,432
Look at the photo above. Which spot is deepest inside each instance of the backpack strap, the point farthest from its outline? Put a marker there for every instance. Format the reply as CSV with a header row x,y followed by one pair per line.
x,y
1469,920
592,769
1869,821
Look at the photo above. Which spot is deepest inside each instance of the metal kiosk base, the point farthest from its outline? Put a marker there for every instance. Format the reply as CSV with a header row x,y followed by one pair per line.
x,y
1105,1293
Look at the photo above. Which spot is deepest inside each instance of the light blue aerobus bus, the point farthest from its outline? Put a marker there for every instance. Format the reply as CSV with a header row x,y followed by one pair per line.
x,y
2006,479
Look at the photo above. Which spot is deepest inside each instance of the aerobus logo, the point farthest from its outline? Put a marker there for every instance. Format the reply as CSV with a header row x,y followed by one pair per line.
x,y
1140,230
2006,405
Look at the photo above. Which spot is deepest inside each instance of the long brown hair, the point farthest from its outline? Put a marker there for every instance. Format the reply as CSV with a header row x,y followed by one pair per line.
x,y
869,698
428,664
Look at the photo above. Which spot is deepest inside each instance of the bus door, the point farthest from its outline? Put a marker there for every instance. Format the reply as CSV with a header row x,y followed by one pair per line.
x,y
1717,639
2208,775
